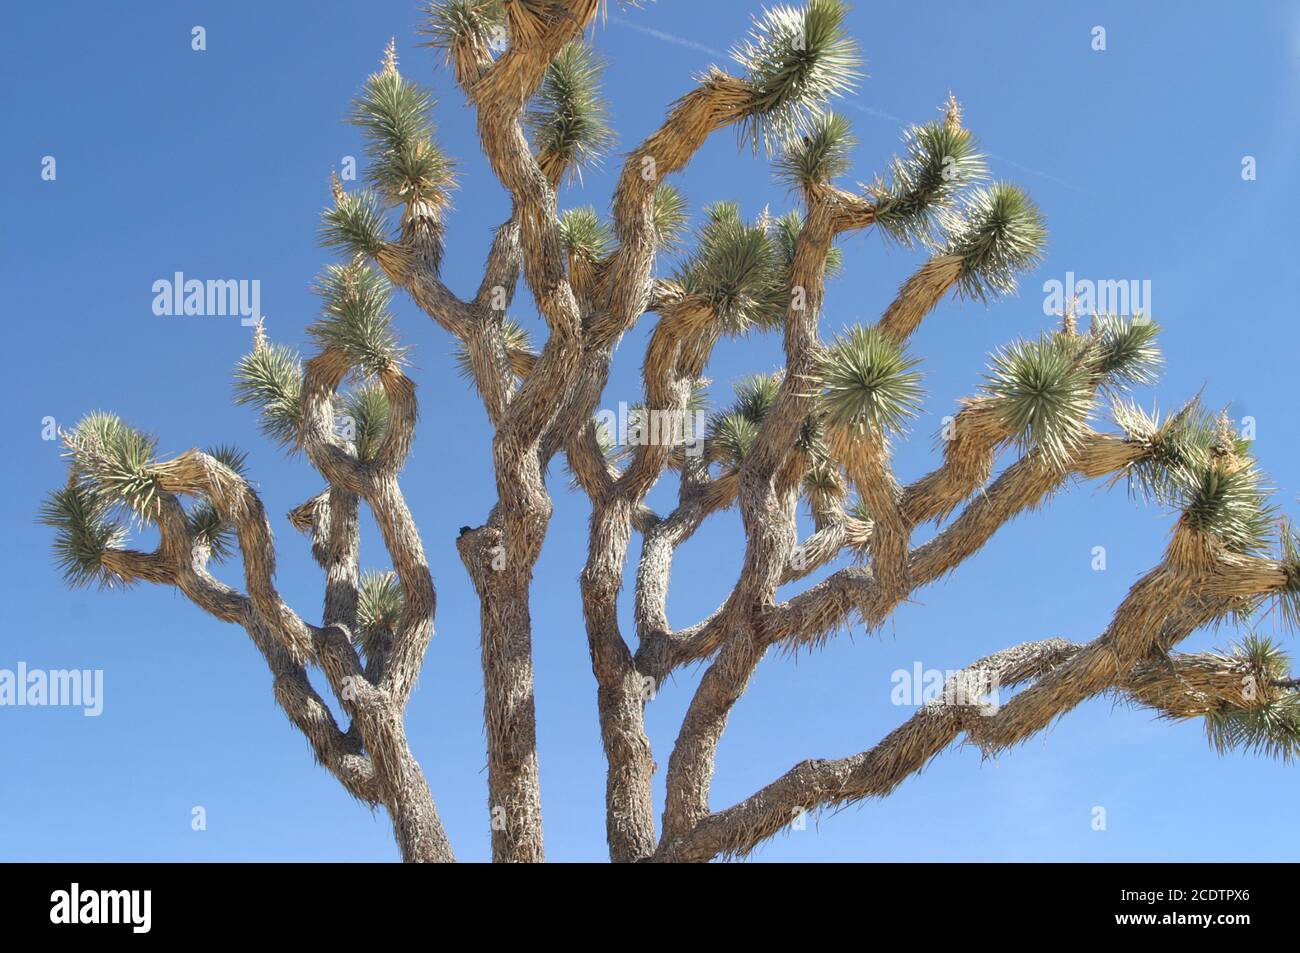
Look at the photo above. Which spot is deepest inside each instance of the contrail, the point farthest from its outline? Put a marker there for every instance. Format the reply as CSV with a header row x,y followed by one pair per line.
x,y
1033,171
869,110
666,37
875,113
890,117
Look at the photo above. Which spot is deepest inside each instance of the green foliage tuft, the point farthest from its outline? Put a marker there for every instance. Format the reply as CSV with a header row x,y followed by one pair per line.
x,y
584,235
729,439
231,456
85,530
270,379
1175,449
1228,500
205,523
367,406
940,160
380,601
1127,354
859,511
1265,657
739,269
669,213
355,317
448,22
569,121
998,234
1043,395
820,155
113,462
405,163
755,396
1273,729
823,476
865,382
355,223
1288,599
795,60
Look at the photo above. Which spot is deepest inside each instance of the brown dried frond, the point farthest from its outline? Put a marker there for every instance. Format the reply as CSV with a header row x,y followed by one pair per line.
x,y
303,516
1107,454
396,261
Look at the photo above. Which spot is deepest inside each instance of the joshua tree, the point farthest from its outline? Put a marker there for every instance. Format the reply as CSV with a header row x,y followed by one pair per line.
x,y
819,433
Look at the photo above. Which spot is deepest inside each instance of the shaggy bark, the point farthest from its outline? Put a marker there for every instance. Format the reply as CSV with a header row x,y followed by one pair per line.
x,y
820,431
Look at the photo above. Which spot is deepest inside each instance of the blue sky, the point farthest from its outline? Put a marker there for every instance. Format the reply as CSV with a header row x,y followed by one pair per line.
x,y
215,164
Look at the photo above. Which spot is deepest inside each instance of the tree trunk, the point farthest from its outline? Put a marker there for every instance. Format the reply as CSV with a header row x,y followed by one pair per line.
x,y
416,823
514,798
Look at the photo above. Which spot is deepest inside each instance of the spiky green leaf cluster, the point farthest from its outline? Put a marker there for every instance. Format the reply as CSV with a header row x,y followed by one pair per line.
x,y
866,382
355,317
85,529
270,379
207,526
755,396
998,233
820,155
1264,656
448,22
367,407
1186,465
1126,351
698,400
1288,599
584,235
812,438
822,477
230,456
355,223
113,461
794,61
731,433
1176,449
739,269
568,120
1043,394
1273,729
859,511
380,601
669,213
730,438
406,165
1229,500
513,337
940,160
